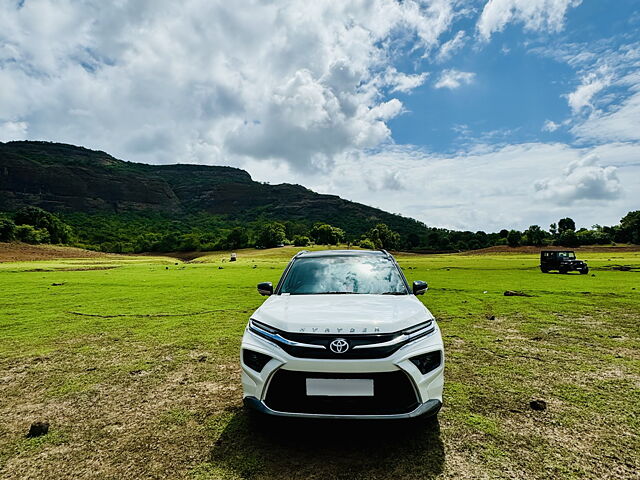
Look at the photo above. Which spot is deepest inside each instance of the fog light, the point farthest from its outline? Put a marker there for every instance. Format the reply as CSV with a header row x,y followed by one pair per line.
x,y
428,361
255,360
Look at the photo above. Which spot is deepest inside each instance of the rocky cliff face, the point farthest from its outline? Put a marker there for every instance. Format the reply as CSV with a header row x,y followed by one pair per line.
x,y
61,187
60,177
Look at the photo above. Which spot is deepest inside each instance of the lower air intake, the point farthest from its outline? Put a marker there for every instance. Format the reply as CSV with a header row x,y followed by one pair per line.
x,y
393,393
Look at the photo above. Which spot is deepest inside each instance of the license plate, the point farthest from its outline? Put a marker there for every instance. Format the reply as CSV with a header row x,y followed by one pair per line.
x,y
339,387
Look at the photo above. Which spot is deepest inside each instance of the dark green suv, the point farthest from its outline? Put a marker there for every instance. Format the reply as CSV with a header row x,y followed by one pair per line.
x,y
563,261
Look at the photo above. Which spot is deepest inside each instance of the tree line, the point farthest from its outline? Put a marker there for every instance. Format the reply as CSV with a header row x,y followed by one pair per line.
x,y
136,233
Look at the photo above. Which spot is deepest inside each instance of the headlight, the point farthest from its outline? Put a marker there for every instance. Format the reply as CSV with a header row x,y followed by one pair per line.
x,y
419,330
406,336
273,335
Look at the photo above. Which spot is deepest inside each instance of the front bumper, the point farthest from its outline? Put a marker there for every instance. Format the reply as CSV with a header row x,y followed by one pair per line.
x,y
427,388
429,408
573,266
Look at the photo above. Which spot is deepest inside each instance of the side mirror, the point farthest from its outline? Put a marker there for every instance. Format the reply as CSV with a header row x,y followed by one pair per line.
x,y
419,287
265,288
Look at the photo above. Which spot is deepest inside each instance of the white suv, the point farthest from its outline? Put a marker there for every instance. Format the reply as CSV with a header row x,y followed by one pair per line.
x,y
343,336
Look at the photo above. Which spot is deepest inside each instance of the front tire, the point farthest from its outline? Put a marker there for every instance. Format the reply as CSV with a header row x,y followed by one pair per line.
x,y
584,271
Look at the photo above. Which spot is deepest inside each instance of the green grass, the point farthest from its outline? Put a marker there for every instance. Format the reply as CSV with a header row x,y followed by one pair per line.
x,y
136,369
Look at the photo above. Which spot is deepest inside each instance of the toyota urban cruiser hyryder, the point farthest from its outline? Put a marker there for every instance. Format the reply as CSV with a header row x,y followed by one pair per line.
x,y
343,336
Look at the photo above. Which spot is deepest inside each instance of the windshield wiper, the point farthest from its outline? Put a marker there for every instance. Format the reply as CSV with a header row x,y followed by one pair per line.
x,y
336,293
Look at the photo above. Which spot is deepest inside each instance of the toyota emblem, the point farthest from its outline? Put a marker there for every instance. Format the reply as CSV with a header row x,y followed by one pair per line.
x,y
339,345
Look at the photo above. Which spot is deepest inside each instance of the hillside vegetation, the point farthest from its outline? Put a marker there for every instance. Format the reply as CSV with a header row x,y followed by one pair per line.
x,y
69,179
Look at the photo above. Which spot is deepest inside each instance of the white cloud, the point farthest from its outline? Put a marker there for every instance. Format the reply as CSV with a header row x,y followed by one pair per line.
x,y
448,48
622,123
454,78
203,81
400,82
487,188
535,15
606,104
550,126
13,131
582,179
590,86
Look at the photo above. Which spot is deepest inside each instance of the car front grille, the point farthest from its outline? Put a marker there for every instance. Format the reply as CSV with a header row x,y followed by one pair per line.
x,y
352,340
393,393
360,345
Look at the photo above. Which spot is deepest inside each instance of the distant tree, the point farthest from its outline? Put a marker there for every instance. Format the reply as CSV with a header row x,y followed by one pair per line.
x,y
553,229
237,238
59,232
168,243
535,235
383,237
146,242
271,235
461,245
325,234
513,239
481,240
367,244
474,244
566,224
603,235
189,242
30,234
293,228
7,230
568,238
413,241
301,240
630,227
434,240
504,233
586,237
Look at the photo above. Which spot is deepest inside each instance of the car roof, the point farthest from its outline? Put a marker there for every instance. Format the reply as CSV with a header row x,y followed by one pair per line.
x,y
342,253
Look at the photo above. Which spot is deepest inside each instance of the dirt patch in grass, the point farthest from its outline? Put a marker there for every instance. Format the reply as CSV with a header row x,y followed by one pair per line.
x,y
182,256
22,252
145,315
500,249
622,268
71,269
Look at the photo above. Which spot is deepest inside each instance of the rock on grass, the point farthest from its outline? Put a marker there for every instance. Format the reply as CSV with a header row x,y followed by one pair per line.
x,y
514,293
538,405
38,429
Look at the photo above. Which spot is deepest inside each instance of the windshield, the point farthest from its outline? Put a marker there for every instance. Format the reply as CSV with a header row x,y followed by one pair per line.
x,y
567,255
365,274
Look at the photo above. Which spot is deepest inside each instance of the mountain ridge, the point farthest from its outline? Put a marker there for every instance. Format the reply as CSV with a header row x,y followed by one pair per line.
x,y
66,178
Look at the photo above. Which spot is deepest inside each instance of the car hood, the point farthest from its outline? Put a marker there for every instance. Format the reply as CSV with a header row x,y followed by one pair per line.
x,y
342,313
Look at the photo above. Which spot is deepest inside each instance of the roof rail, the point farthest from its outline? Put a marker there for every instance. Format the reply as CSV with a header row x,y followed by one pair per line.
x,y
300,253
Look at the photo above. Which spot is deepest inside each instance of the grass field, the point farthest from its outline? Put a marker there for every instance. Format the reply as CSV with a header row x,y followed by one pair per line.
x,y
134,362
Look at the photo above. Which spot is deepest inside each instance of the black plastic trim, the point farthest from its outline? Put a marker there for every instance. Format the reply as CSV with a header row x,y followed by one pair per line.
x,y
427,409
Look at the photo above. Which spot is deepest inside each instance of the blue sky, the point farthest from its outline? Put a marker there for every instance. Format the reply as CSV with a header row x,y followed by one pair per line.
x,y
482,114
517,87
